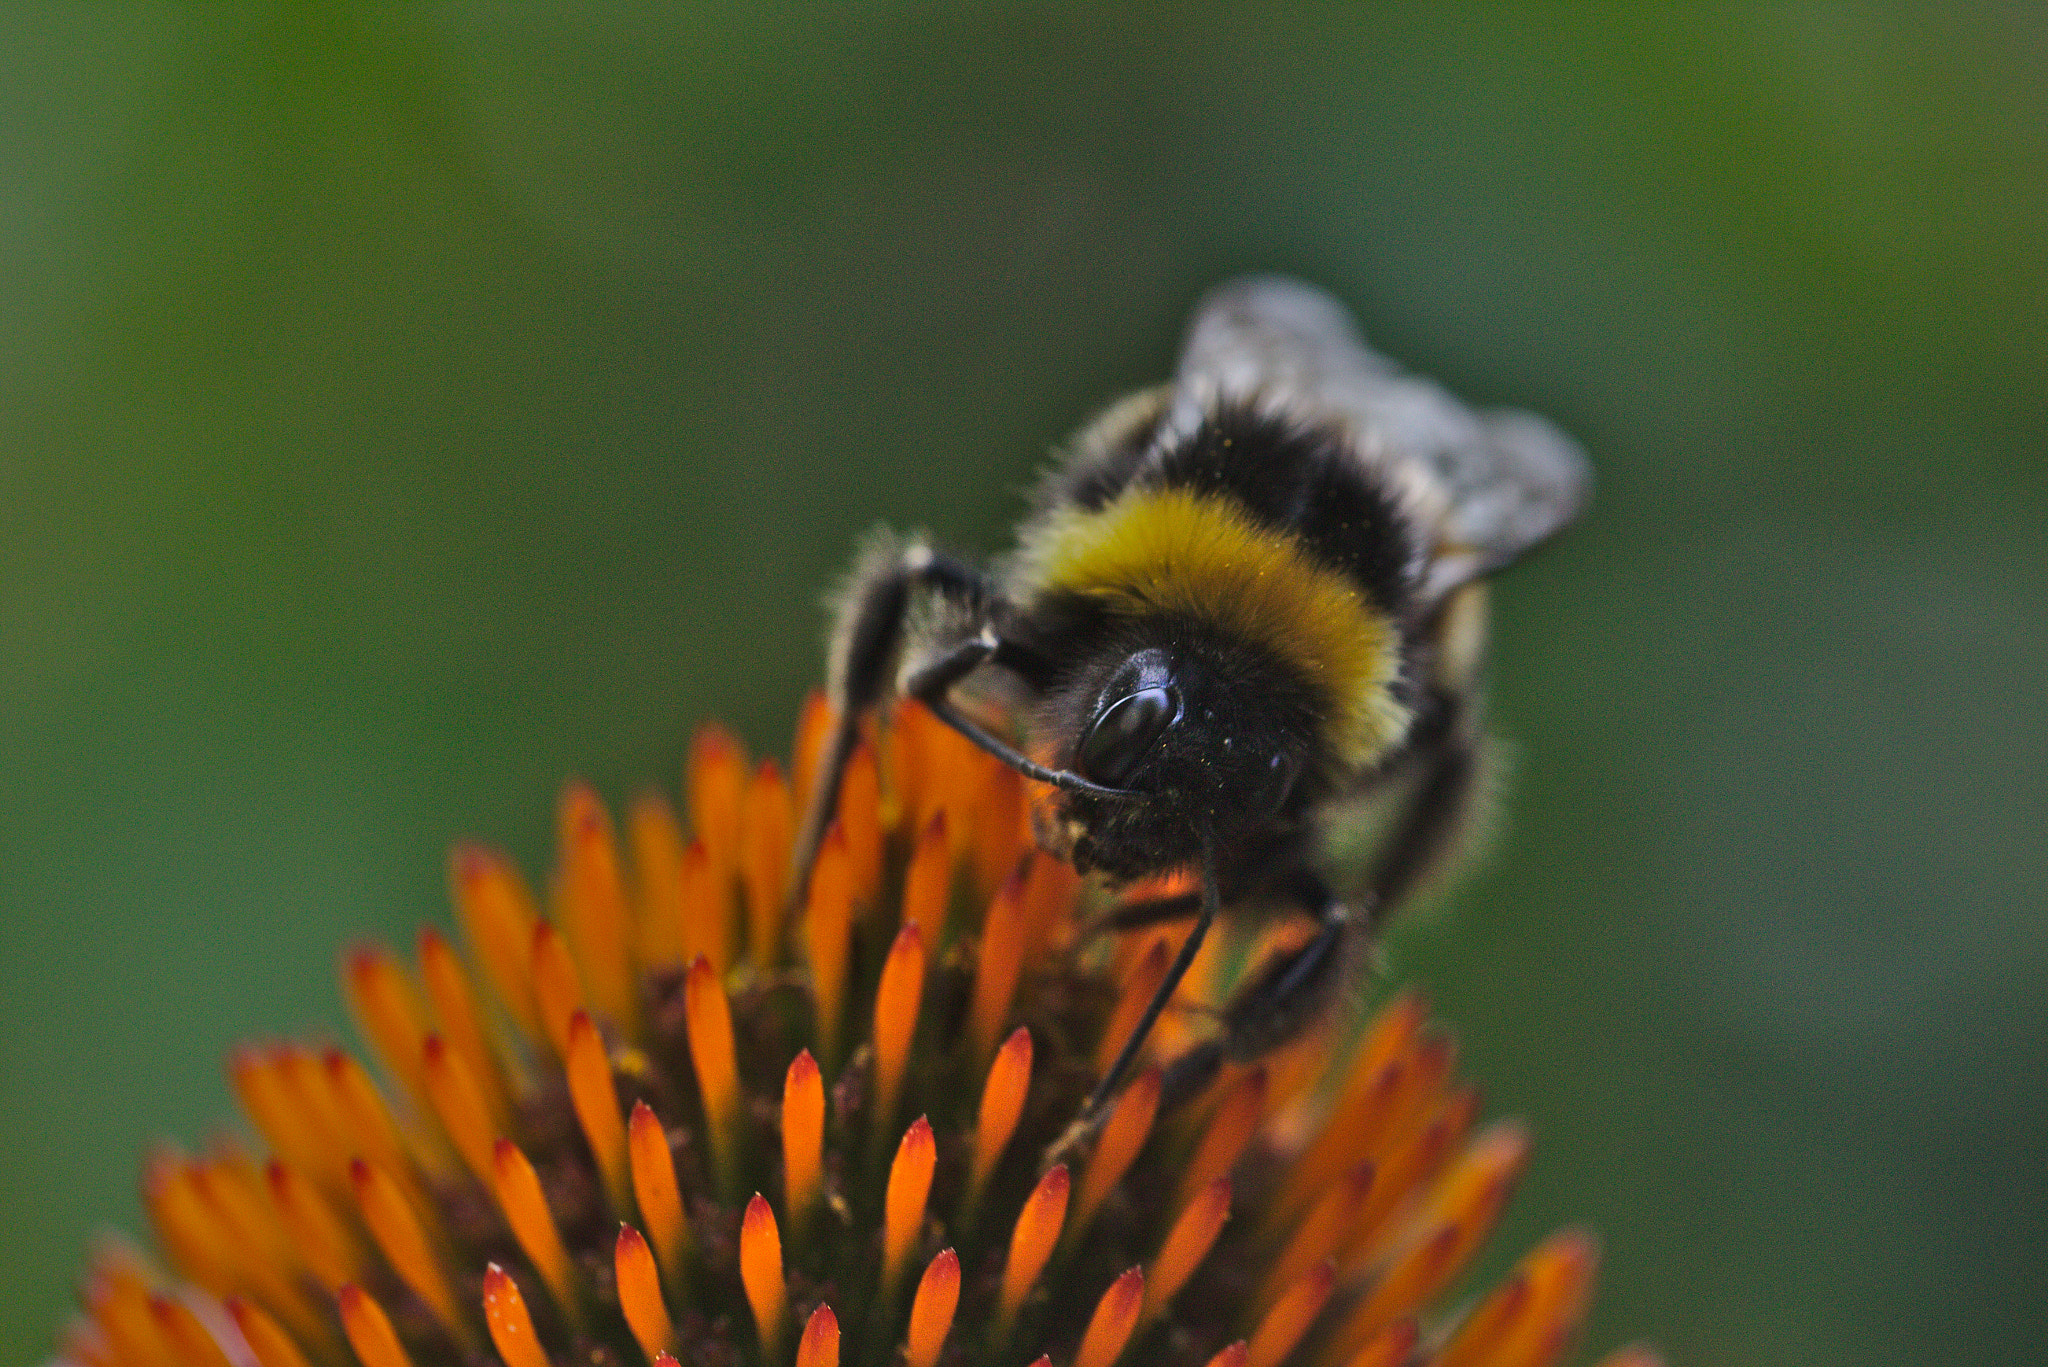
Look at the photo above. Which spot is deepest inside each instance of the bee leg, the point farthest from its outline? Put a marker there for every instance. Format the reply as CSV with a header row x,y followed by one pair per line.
x,y
1447,755
1290,992
868,638
1097,1109
1150,911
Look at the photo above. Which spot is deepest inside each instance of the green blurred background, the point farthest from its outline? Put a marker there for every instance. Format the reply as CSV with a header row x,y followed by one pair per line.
x,y
401,413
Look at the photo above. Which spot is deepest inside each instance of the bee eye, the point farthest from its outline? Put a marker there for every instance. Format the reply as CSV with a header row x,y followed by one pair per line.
x,y
1124,733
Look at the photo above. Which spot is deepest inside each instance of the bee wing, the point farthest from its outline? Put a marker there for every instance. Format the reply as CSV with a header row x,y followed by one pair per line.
x,y
1489,484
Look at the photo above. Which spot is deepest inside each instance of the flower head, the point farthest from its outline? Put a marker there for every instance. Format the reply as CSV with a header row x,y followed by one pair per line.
x,y
666,1124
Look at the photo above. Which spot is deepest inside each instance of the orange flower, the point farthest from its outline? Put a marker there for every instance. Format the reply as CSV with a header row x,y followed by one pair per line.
x,y
820,1142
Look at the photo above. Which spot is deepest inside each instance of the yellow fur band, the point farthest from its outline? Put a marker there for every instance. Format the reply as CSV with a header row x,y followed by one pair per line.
x,y
1170,551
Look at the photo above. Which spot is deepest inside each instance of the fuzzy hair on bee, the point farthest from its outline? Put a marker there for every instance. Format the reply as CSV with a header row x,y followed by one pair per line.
x,y
1245,603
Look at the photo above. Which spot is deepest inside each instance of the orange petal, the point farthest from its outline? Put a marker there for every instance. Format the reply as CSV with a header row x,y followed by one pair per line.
x,y
1031,1242
186,1224
803,1134
819,1346
328,1246
1116,1315
1123,1135
1561,1277
928,884
336,1098
761,1272
498,917
1410,1167
459,1105
1000,830
1295,1068
188,1338
1365,1094
259,1084
388,1009
1444,1232
654,1186
1004,936
1138,990
1232,1356
272,1346
896,1006
1187,1243
369,1330
910,736
272,1266
1530,1319
706,908
1002,1103
131,1335
1319,1236
595,1096
708,1018
640,1293
1049,894
1476,1186
767,830
715,781
1178,1030
1479,1336
1405,1285
594,913
1229,1130
117,1295
525,1206
363,1123
828,934
557,986
455,1011
1391,1347
860,816
404,1242
658,855
910,1186
510,1324
1190,1238
931,1313
813,728
1291,1316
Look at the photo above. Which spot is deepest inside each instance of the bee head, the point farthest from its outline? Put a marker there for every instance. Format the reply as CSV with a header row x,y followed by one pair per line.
x,y
1199,733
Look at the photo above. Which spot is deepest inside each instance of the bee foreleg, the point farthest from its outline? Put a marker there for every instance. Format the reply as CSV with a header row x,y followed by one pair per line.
x,y
865,644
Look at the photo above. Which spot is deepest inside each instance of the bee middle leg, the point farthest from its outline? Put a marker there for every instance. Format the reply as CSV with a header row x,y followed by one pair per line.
x,y
1287,994
1444,761
1149,911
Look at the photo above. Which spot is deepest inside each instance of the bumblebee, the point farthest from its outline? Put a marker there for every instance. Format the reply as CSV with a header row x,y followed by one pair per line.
x,y
1245,602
